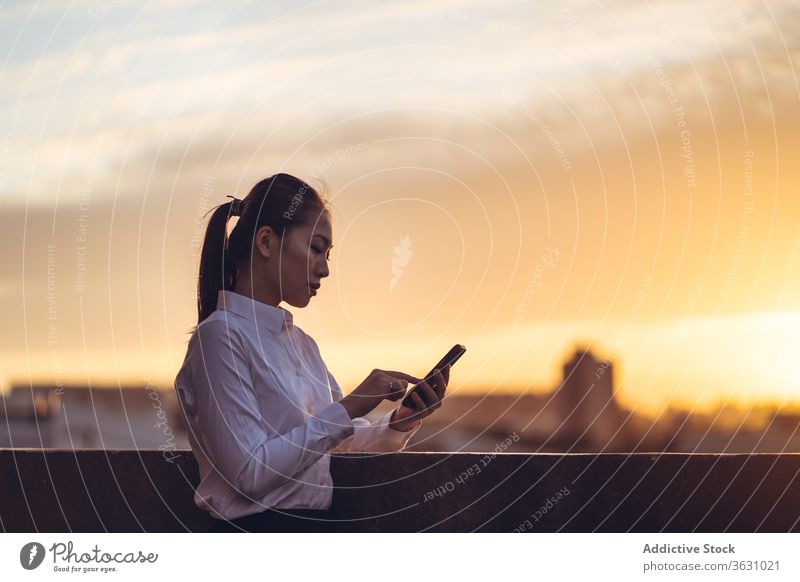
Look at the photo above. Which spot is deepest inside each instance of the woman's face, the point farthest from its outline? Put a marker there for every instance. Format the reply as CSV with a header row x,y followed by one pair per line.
x,y
302,263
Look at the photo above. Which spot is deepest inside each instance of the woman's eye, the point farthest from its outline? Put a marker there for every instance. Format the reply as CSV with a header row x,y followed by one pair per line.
x,y
318,251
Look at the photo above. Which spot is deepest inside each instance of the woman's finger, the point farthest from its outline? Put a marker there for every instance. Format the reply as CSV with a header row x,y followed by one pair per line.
x,y
431,396
445,379
440,382
402,376
397,389
420,405
446,374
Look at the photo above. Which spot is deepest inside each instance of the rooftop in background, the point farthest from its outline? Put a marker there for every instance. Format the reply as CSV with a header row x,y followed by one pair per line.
x,y
79,417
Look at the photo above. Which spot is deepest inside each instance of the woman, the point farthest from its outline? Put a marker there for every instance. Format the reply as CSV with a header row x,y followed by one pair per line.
x,y
262,409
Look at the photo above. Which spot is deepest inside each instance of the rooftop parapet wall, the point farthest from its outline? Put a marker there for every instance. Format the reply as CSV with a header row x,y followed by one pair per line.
x,y
135,491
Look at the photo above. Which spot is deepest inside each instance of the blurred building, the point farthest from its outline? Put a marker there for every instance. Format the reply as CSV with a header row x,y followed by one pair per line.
x,y
129,417
591,417
580,415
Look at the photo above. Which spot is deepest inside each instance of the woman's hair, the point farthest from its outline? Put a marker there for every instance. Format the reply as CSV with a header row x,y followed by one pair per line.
x,y
281,202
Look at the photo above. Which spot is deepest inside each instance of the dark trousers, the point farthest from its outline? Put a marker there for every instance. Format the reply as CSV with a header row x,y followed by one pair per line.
x,y
279,520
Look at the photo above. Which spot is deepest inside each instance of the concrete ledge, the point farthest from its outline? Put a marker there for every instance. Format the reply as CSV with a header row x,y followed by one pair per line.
x,y
135,491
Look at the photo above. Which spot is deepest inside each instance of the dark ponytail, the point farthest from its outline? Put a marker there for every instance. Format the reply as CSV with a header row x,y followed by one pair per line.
x,y
281,202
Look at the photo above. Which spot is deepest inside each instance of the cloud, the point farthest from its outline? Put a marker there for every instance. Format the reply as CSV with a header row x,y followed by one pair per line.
x,y
143,109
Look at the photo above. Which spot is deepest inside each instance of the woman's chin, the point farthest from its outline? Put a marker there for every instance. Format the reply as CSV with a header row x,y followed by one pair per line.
x,y
300,301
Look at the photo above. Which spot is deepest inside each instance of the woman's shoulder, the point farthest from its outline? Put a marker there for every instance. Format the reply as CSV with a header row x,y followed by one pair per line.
x,y
220,325
216,333
307,338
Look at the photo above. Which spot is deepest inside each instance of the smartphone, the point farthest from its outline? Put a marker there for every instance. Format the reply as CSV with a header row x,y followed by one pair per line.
x,y
450,358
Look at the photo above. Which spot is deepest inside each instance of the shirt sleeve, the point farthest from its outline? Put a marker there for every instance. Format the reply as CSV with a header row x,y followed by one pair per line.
x,y
236,438
368,437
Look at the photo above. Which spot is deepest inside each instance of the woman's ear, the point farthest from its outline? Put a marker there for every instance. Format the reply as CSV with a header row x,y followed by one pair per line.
x,y
265,241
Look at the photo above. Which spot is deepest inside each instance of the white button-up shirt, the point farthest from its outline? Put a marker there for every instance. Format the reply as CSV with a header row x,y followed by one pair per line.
x,y
262,412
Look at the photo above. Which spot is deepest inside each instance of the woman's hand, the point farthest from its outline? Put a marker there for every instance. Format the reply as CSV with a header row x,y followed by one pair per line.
x,y
405,419
378,385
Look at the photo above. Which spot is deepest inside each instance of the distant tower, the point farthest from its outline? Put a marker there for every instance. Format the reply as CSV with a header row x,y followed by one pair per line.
x,y
586,402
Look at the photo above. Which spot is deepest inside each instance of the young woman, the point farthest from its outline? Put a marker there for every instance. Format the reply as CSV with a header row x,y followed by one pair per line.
x,y
263,410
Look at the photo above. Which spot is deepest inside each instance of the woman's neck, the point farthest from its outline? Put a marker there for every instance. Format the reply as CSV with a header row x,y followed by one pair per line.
x,y
244,286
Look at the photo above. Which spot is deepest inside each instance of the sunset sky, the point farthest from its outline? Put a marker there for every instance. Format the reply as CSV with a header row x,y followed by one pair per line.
x,y
622,175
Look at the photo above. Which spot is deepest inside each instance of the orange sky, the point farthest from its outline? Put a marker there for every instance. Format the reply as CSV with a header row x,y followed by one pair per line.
x,y
624,178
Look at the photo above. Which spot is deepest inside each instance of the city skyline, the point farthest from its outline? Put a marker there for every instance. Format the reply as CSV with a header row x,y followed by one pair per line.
x,y
581,413
517,181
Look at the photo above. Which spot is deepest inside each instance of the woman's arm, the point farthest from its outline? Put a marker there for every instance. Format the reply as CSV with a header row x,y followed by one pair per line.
x,y
237,439
368,437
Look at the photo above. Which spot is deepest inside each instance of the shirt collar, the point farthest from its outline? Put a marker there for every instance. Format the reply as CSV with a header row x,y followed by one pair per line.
x,y
273,318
